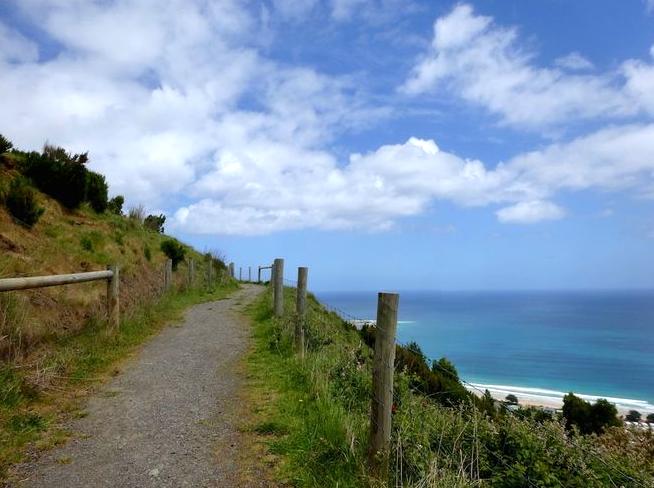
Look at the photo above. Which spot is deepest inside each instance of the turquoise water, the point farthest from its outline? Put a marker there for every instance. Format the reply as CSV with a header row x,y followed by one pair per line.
x,y
537,343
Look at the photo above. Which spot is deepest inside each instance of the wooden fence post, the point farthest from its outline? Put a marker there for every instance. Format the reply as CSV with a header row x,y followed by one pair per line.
x,y
240,273
210,274
231,270
113,298
258,274
278,287
249,274
300,308
382,384
168,274
191,273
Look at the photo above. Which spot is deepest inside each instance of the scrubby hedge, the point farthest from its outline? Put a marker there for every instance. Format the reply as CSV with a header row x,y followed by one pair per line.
x,y
62,175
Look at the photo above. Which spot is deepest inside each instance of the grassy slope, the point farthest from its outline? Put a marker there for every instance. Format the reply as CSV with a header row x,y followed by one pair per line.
x,y
313,416
53,342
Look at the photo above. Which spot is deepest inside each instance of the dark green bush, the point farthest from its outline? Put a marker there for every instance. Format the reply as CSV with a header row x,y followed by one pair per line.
x,y
5,144
21,202
174,250
87,243
115,205
147,253
155,223
97,191
59,174
589,418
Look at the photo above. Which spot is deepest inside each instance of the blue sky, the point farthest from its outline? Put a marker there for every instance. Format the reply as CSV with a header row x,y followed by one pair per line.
x,y
385,144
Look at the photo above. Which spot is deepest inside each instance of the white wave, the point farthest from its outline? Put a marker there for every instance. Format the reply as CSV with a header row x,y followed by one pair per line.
x,y
556,397
406,321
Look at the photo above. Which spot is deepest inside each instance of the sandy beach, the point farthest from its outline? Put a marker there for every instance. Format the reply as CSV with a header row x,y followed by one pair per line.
x,y
554,399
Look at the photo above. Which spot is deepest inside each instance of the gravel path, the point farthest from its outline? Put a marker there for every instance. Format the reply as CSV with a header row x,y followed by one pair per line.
x,y
170,419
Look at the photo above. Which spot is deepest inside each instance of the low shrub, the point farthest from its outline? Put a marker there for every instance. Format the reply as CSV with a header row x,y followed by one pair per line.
x,y
115,205
155,223
174,250
21,202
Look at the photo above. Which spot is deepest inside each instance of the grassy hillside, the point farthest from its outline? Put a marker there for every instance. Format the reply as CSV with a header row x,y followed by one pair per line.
x,y
54,344
313,416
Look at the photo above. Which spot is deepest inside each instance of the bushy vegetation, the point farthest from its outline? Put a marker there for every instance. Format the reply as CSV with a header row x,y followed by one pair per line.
x,y
174,250
22,204
61,175
155,223
589,418
5,144
115,205
314,415
97,191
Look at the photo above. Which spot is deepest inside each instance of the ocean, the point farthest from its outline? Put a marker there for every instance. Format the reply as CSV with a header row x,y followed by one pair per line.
x,y
537,344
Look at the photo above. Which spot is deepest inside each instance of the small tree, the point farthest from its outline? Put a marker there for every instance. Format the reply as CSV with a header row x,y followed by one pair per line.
x,y
155,223
5,144
633,416
21,202
174,250
512,399
115,205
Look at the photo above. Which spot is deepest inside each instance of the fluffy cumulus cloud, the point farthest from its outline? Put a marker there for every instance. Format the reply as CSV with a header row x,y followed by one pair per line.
x,y
181,109
530,212
485,64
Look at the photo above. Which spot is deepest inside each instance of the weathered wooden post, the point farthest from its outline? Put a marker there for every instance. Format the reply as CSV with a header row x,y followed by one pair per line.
x,y
249,274
168,274
210,274
113,298
278,287
191,273
258,274
240,273
300,309
231,270
382,384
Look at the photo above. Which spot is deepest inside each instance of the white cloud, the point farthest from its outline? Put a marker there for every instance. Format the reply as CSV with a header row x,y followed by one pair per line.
x,y
574,61
261,187
485,64
189,109
530,212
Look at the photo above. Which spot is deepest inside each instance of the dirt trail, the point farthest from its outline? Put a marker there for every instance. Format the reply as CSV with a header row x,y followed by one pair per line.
x,y
170,419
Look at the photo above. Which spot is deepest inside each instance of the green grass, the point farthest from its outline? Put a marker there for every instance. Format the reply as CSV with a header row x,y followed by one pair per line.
x,y
29,416
316,440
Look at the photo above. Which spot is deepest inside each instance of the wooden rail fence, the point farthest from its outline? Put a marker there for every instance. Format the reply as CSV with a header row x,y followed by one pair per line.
x,y
111,276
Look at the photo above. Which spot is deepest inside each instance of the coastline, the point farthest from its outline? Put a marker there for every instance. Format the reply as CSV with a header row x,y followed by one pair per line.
x,y
544,398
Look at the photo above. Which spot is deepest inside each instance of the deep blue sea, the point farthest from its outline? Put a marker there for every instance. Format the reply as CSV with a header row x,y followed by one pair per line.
x,y
544,344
